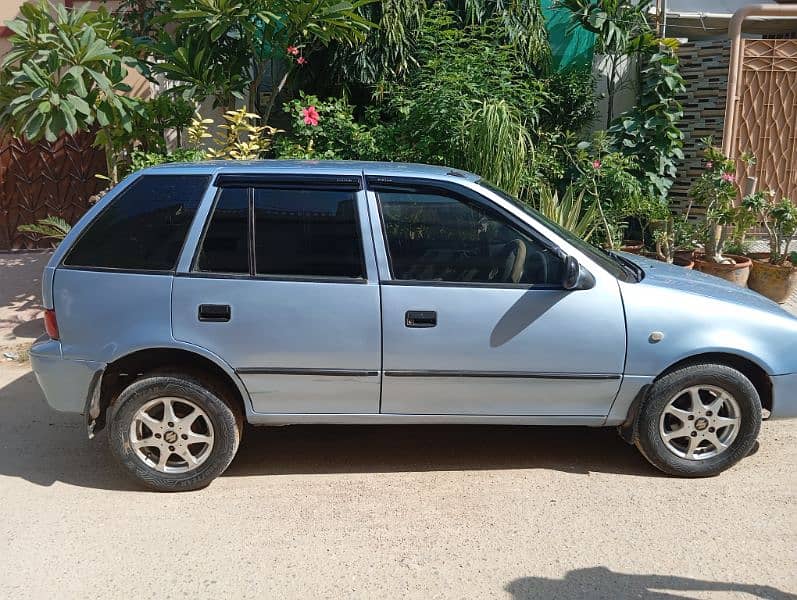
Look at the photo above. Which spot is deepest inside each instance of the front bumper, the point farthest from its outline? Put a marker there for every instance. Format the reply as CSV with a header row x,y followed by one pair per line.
x,y
784,396
67,384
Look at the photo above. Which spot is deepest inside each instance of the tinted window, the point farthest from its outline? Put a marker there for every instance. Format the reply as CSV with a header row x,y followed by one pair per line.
x,y
438,237
144,227
307,233
225,248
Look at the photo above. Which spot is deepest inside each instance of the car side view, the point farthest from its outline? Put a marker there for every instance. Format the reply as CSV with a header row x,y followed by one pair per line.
x,y
192,298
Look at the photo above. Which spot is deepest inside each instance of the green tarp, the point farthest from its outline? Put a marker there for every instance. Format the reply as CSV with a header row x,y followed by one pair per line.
x,y
569,48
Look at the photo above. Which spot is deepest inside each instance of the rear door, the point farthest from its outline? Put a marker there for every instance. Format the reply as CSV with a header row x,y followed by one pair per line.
x,y
283,287
475,319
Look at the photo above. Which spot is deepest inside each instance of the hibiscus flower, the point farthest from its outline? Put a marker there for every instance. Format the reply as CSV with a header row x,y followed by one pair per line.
x,y
310,115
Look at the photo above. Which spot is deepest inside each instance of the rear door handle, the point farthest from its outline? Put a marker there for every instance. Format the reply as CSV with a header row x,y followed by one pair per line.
x,y
214,313
420,318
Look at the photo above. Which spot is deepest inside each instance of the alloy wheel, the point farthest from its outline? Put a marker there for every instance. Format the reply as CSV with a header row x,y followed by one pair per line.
x,y
700,422
171,435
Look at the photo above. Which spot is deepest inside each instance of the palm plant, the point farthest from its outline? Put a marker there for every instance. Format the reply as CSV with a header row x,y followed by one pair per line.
x,y
51,227
225,48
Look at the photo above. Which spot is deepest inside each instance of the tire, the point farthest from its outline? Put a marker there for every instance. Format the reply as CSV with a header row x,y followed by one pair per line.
x,y
700,445
203,427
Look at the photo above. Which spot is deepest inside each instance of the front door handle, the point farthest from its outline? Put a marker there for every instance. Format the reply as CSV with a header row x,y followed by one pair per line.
x,y
420,318
214,313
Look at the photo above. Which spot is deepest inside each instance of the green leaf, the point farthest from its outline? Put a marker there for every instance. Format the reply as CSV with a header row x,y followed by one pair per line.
x,y
80,104
33,126
44,107
102,116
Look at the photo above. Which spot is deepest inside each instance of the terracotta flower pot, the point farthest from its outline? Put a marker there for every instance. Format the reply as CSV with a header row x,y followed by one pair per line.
x,y
688,255
632,246
776,282
686,263
738,272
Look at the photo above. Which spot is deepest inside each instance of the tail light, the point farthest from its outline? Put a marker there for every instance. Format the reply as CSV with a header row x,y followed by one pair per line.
x,y
51,324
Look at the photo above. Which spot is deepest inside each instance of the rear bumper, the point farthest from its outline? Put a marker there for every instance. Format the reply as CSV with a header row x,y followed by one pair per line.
x,y
67,384
784,396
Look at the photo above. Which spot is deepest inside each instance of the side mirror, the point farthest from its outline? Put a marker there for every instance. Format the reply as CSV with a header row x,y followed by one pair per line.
x,y
575,276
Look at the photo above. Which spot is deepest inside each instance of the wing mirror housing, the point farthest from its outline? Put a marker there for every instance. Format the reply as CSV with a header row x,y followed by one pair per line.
x,y
575,276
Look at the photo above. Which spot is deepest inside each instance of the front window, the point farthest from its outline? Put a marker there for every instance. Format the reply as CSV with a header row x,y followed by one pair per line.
x,y
613,265
436,235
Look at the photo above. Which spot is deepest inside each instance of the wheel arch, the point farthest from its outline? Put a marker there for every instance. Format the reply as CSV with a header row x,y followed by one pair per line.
x,y
757,375
209,370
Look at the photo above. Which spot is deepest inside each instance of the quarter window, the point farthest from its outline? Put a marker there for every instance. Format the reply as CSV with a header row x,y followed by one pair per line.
x,y
437,236
310,233
144,227
225,248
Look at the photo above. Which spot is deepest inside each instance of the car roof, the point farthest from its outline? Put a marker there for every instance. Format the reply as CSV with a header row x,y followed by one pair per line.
x,y
338,167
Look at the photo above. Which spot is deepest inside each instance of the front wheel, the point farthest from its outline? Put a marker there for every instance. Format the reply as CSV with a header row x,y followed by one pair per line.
x,y
171,433
698,420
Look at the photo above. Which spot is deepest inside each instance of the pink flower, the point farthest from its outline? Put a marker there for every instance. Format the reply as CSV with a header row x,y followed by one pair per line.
x,y
709,165
596,164
310,115
301,60
728,177
292,50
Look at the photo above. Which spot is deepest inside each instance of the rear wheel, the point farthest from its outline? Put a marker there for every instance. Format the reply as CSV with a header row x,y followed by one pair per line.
x,y
698,420
172,433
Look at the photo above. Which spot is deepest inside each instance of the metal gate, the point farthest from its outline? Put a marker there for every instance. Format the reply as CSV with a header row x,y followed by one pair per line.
x,y
37,180
766,115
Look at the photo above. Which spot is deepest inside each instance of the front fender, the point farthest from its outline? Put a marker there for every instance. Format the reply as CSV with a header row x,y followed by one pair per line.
x,y
691,324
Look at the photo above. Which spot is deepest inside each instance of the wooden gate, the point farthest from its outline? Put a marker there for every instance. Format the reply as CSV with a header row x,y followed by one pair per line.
x,y
766,115
37,180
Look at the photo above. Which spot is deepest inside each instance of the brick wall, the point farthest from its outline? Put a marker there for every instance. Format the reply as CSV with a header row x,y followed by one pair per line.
x,y
704,66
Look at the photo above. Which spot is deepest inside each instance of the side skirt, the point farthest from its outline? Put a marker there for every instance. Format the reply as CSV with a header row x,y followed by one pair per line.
x,y
400,419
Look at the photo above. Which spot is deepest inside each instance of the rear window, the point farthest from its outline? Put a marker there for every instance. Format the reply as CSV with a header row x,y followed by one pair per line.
x,y
144,227
307,233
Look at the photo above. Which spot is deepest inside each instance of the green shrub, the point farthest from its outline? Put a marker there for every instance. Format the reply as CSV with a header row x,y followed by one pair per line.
x,y
329,132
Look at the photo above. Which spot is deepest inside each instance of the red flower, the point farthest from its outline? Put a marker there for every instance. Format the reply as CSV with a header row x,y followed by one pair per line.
x,y
728,177
709,165
596,164
310,115
292,50
301,60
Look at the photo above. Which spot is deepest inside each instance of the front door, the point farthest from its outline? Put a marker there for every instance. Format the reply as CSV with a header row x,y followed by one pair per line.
x,y
475,320
280,289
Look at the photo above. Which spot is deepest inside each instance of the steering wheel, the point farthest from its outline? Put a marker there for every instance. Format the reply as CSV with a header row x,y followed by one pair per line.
x,y
514,254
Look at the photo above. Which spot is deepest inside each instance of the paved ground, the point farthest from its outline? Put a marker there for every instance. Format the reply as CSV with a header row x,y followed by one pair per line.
x,y
20,298
366,512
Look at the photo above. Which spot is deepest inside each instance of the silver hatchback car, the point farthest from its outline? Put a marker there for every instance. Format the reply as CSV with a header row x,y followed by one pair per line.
x,y
194,297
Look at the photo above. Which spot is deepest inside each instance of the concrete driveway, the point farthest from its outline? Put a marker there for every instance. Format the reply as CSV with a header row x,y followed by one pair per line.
x,y
368,512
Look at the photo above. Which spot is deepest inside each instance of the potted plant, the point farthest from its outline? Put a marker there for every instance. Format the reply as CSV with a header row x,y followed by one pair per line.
x,y
716,189
775,274
673,236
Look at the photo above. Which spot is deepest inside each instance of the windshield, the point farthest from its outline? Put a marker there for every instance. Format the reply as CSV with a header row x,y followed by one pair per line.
x,y
614,264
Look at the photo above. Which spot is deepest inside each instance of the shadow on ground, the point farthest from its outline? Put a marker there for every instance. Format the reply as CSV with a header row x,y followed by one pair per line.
x,y
600,582
44,447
